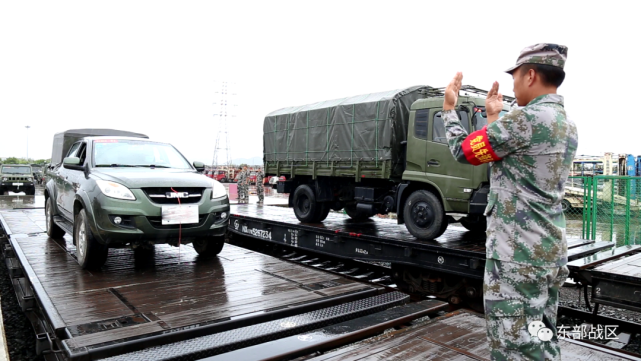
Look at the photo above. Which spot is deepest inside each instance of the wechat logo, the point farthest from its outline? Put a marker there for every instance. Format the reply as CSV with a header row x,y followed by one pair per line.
x,y
538,329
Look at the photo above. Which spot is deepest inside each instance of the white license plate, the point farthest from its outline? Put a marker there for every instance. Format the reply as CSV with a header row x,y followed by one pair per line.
x,y
181,214
18,184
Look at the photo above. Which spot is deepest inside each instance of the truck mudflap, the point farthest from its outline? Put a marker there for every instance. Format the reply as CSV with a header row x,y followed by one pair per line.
x,y
479,200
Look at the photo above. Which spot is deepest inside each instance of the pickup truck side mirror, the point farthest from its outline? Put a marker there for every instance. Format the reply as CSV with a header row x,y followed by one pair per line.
x,y
200,166
72,163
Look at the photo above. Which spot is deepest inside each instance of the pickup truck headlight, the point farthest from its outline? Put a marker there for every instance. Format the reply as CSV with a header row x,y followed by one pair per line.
x,y
218,190
115,190
4,179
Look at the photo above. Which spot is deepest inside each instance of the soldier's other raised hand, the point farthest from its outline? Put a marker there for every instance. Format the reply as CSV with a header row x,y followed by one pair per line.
x,y
493,103
451,92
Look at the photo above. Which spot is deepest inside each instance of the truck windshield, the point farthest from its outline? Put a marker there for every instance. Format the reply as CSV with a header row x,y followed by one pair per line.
x,y
10,169
137,153
480,121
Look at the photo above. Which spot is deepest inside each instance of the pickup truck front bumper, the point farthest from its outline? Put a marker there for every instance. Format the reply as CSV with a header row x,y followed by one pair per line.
x,y
141,221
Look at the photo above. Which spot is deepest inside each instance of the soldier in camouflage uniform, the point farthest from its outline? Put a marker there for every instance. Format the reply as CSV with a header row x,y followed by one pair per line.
x,y
260,187
243,188
532,148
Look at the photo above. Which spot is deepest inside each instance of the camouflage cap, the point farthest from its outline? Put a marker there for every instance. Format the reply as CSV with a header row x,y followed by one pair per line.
x,y
543,53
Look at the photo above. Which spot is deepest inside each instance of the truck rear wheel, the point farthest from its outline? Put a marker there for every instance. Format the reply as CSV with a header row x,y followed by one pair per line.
x,y
355,214
324,212
305,206
424,215
478,225
89,252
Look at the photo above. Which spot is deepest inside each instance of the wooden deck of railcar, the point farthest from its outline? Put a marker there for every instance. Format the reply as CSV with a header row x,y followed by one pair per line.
x,y
458,336
162,292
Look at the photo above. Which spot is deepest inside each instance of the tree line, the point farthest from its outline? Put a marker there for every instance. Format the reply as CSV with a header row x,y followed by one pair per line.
x,y
14,160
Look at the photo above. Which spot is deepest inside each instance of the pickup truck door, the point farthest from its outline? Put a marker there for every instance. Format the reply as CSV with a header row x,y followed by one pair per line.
x,y
73,179
416,145
62,175
454,179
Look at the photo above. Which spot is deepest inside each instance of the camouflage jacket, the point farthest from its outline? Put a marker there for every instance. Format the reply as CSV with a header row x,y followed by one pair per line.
x,y
536,144
260,176
242,177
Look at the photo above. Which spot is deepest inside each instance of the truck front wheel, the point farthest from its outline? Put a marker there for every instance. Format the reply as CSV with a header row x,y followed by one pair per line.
x,y
305,206
424,215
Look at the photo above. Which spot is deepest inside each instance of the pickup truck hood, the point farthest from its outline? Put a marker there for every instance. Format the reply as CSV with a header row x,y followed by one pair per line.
x,y
135,178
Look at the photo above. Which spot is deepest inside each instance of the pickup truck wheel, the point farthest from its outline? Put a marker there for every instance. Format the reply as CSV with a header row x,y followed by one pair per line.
x,y
474,225
30,191
566,205
305,206
89,252
224,180
424,215
53,230
209,246
355,214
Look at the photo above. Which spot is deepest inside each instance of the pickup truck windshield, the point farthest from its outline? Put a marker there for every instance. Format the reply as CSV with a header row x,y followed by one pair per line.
x,y
10,169
137,153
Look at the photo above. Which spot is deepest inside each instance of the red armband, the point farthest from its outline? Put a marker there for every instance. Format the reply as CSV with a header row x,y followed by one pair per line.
x,y
477,148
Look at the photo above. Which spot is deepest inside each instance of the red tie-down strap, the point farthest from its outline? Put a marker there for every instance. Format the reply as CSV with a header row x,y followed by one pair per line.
x,y
477,148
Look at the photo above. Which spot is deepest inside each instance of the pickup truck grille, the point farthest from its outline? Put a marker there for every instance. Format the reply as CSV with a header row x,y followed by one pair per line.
x,y
159,194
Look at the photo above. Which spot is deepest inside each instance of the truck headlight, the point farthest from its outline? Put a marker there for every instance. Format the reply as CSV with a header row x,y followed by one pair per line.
x,y
217,189
115,190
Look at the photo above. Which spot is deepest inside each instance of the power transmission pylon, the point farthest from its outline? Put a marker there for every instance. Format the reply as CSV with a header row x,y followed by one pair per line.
x,y
225,105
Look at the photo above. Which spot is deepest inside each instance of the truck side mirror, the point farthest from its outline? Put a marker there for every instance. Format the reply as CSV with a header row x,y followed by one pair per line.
x,y
200,166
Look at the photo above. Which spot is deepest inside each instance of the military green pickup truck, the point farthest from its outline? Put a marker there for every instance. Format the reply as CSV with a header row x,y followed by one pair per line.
x,y
376,154
111,188
17,178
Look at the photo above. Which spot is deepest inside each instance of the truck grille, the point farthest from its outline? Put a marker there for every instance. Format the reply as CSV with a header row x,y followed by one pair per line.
x,y
16,179
159,194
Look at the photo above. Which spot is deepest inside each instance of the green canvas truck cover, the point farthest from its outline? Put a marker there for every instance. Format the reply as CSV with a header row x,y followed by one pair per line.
x,y
365,127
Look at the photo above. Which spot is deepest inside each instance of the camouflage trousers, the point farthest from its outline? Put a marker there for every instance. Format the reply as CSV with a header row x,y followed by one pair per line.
x,y
260,190
519,301
243,193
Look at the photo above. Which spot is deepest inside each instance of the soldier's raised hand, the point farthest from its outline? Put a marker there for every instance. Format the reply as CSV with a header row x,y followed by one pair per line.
x,y
451,92
493,102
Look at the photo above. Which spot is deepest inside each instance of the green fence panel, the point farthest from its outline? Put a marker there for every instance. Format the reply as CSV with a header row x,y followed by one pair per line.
x,y
604,208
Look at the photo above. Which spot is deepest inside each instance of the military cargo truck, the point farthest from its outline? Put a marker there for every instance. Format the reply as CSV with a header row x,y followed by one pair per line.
x,y
379,153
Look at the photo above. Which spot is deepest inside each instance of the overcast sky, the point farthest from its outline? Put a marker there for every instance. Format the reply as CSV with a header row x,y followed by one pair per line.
x,y
156,67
